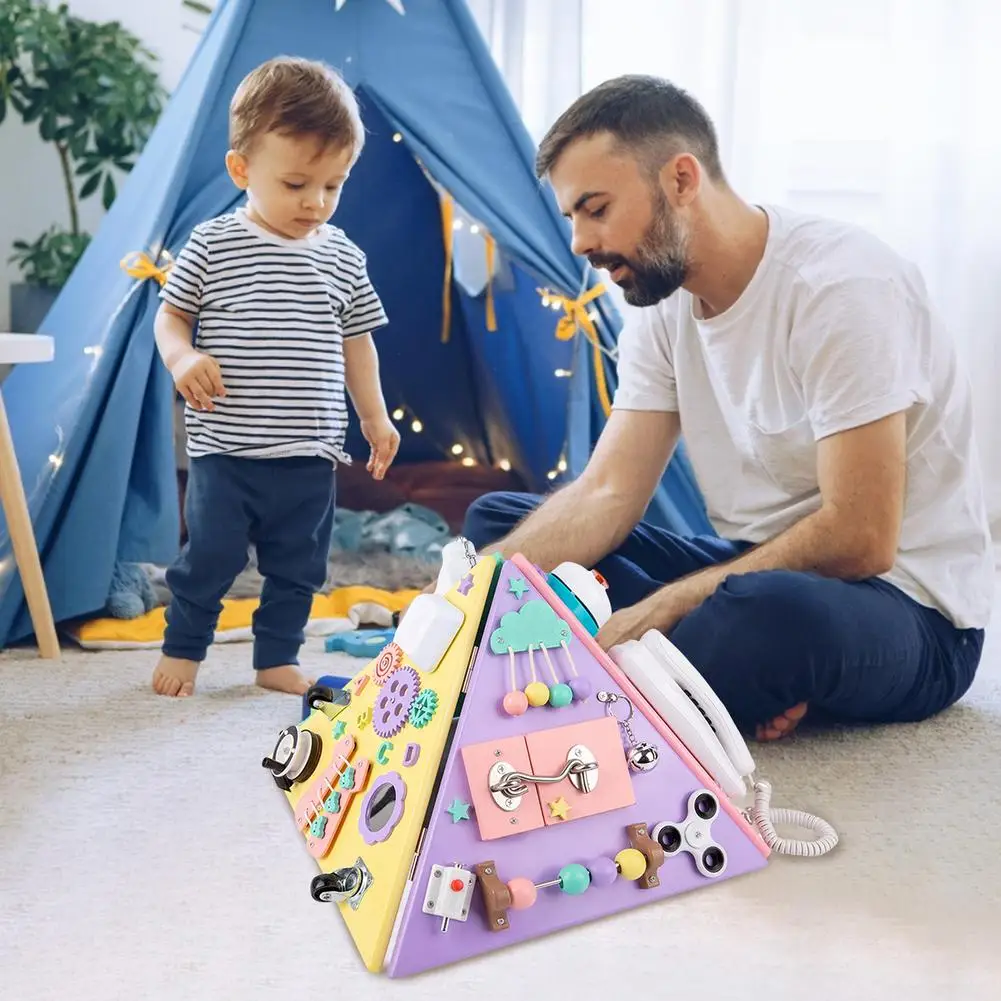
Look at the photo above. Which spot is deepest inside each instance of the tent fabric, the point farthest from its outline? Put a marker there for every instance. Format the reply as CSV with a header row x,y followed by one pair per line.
x,y
93,429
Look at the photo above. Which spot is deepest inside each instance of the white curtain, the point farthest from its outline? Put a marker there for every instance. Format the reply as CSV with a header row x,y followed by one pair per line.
x,y
881,112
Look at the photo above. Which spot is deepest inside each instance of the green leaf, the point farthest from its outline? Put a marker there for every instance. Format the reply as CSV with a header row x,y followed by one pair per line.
x,y
90,186
108,195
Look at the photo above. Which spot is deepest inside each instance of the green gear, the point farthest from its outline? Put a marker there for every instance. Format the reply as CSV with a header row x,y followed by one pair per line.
x,y
424,707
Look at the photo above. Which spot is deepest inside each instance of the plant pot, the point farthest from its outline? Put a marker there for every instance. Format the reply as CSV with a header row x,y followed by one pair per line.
x,y
29,305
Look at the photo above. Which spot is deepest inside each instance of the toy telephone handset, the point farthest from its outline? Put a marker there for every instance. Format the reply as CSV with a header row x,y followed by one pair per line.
x,y
683,699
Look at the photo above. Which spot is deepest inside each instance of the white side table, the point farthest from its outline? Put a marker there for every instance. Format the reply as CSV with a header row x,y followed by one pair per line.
x,y
19,349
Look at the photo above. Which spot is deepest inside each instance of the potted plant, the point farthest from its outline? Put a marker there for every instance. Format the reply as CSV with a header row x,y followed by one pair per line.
x,y
95,94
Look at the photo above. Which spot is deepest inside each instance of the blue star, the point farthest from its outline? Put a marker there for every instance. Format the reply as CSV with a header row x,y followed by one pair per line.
x,y
459,810
517,587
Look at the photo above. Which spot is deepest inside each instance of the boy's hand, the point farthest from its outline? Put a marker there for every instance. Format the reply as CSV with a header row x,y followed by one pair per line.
x,y
198,378
384,440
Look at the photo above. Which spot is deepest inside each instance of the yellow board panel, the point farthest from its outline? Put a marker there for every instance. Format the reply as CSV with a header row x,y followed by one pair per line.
x,y
384,777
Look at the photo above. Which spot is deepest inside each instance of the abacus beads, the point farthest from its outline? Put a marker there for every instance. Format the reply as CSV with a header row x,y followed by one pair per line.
x,y
575,879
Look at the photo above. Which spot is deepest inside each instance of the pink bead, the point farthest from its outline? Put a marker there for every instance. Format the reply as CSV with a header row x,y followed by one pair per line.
x,y
603,871
515,703
581,688
523,893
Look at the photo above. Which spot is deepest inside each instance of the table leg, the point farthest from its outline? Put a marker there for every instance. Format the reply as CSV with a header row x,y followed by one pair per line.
x,y
22,537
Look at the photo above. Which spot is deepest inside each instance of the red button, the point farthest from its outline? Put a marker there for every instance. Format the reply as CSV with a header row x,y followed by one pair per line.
x,y
457,885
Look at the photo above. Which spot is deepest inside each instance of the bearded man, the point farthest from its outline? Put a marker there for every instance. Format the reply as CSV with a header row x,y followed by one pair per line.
x,y
826,416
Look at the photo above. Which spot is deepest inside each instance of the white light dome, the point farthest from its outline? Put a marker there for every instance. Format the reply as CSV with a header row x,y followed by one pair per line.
x,y
590,591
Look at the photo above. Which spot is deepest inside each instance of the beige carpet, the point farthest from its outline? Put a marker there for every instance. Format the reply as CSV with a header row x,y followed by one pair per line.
x,y
145,855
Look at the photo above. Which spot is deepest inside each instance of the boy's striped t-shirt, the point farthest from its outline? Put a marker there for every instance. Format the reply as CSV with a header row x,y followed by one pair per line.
x,y
274,313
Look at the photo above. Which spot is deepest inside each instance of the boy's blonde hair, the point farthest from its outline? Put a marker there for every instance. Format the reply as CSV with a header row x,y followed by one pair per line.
x,y
297,97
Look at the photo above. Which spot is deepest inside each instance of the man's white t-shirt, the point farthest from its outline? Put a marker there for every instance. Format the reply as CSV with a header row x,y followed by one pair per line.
x,y
835,330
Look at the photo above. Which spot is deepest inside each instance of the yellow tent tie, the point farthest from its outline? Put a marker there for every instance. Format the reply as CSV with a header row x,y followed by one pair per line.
x,y
491,310
140,265
447,215
575,316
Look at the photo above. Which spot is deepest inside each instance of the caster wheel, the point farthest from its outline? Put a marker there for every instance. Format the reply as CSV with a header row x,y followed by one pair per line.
x,y
335,887
319,695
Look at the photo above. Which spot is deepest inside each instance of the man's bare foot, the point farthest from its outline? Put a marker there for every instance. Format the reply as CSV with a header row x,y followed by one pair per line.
x,y
782,725
173,676
284,679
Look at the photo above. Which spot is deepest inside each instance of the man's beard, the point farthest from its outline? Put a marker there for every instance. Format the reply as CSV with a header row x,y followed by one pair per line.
x,y
658,268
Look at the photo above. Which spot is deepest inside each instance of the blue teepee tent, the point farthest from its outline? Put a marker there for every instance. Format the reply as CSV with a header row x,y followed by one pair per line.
x,y
94,430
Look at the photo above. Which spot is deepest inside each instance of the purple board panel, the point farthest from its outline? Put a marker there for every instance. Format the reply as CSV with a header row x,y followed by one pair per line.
x,y
544,841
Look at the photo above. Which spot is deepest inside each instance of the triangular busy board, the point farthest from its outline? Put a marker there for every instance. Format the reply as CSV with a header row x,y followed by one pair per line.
x,y
505,857
359,777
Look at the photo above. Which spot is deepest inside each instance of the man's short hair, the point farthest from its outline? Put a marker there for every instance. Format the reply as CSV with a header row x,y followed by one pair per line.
x,y
647,115
297,97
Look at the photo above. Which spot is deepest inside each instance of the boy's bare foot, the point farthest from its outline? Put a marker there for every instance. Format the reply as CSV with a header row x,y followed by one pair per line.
x,y
284,679
782,725
173,676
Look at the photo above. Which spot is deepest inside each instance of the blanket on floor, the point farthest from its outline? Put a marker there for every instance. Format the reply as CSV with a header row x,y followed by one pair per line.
x,y
377,564
341,610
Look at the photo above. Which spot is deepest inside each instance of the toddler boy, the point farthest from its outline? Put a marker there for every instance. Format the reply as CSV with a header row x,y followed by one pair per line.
x,y
285,312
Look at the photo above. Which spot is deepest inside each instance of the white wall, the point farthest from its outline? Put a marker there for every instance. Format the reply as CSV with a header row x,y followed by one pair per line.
x,y
32,195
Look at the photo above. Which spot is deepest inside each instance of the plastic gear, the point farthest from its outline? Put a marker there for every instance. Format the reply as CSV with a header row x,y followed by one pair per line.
x,y
424,708
388,661
392,707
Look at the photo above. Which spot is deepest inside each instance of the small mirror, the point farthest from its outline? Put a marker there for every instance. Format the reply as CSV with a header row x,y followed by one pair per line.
x,y
380,807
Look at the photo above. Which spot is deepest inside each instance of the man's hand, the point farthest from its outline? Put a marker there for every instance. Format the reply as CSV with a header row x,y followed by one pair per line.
x,y
662,610
384,440
198,379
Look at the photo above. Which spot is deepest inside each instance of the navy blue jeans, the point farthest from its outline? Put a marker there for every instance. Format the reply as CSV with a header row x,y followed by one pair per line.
x,y
285,507
855,651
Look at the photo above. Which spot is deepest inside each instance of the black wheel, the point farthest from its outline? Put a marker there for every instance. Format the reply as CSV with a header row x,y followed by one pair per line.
x,y
318,695
284,783
333,887
706,805
315,750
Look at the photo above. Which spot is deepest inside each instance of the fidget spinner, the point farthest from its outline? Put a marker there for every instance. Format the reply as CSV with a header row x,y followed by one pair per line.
x,y
392,707
694,834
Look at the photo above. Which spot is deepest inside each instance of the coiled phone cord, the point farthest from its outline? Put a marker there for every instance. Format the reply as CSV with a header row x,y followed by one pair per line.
x,y
764,819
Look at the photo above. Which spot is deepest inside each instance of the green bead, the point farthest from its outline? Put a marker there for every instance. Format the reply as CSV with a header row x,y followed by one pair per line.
x,y
560,695
574,879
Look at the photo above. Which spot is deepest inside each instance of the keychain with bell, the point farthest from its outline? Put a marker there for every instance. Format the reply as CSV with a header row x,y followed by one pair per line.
x,y
641,755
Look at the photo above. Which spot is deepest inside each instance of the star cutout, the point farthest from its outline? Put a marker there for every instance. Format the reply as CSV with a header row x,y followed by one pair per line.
x,y
559,808
459,810
517,587
397,5
466,584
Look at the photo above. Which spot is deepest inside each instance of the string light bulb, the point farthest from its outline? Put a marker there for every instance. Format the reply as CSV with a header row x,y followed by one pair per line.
x,y
562,465
56,460
469,461
551,474
474,229
505,464
398,414
417,426
562,373
457,449
397,137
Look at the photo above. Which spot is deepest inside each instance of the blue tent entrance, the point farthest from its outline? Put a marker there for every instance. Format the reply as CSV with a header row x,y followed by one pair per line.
x,y
445,182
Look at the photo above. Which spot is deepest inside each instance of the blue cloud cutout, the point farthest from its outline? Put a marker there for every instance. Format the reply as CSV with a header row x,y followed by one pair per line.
x,y
534,624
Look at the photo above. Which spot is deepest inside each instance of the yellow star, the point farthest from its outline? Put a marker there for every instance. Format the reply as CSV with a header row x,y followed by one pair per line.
x,y
559,808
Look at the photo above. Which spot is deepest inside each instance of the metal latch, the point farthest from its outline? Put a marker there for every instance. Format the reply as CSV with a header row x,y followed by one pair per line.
x,y
507,785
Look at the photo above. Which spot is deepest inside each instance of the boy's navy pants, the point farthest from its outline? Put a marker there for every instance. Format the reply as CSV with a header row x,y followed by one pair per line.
x,y
285,507
765,641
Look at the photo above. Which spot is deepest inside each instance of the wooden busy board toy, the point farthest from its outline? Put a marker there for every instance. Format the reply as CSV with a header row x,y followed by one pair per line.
x,y
491,764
